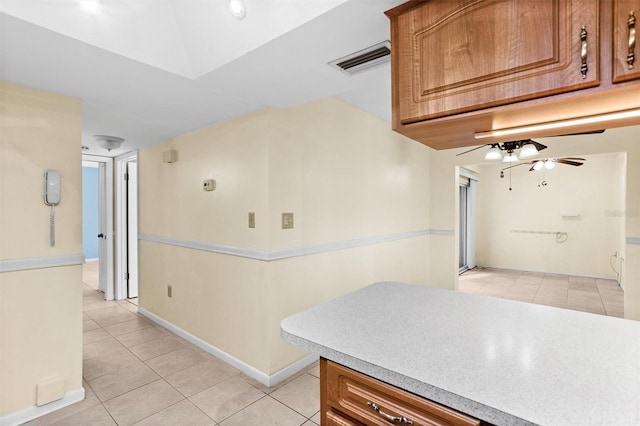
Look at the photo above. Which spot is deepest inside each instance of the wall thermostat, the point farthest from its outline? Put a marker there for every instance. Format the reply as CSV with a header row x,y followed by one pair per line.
x,y
209,185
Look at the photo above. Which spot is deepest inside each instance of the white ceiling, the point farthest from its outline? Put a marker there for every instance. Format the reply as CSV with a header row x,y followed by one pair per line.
x,y
149,70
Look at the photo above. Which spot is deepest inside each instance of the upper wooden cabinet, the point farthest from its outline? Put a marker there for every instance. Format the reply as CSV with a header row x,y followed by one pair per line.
x,y
466,67
626,64
462,55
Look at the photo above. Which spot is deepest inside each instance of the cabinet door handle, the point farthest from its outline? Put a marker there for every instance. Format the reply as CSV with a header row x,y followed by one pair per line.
x,y
388,417
631,23
583,52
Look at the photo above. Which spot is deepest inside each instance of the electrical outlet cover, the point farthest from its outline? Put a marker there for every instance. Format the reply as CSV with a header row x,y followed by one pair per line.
x,y
287,220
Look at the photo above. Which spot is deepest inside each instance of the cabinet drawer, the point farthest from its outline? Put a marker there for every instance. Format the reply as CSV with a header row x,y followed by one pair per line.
x,y
353,398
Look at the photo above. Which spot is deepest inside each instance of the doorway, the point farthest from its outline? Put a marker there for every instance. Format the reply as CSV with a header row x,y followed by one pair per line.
x,y
467,189
127,226
103,230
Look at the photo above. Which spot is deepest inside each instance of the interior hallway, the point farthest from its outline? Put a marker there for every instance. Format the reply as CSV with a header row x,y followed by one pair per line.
x,y
598,296
137,372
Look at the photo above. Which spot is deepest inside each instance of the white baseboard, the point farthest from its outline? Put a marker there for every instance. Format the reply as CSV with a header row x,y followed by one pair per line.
x,y
33,412
265,379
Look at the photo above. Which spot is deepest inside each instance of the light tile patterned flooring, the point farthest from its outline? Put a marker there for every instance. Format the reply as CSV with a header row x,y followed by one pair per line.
x,y
136,372
598,296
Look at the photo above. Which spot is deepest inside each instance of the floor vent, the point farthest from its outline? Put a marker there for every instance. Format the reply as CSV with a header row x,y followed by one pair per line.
x,y
364,59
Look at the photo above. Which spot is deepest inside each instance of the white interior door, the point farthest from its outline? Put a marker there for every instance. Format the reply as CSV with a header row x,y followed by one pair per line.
x,y
102,228
132,229
105,223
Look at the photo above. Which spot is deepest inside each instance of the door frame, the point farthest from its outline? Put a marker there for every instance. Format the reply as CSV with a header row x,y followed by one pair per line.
x,y
106,211
472,196
121,246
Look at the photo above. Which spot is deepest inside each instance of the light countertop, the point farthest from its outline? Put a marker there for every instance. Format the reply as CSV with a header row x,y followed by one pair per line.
x,y
501,361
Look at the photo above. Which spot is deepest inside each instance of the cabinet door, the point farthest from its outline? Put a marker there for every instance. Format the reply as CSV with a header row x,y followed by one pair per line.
x,y
626,19
355,399
455,56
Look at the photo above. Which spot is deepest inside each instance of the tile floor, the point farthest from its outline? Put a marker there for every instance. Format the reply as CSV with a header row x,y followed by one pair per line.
x,y
593,295
136,372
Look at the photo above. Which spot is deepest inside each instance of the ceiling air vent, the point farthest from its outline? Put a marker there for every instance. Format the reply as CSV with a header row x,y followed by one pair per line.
x,y
364,59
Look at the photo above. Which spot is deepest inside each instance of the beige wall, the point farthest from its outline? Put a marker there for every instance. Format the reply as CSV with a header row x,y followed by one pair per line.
x,y
346,177
593,191
40,309
343,173
620,140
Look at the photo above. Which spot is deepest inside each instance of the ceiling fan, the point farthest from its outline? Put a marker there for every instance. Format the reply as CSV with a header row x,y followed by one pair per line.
x,y
528,148
549,163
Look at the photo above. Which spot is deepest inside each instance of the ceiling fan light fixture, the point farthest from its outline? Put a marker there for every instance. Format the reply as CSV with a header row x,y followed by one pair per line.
x,y
538,165
549,164
528,150
108,142
237,8
511,157
493,154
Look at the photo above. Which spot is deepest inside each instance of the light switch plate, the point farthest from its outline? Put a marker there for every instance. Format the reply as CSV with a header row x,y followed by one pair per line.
x,y
287,220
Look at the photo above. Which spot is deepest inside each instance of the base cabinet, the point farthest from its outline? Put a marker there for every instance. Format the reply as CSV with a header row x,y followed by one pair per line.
x,y
351,398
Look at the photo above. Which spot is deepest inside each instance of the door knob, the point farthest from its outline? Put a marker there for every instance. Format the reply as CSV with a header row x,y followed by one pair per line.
x,y
102,236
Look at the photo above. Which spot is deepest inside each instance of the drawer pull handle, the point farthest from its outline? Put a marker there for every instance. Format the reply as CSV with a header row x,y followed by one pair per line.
x,y
631,23
583,52
393,419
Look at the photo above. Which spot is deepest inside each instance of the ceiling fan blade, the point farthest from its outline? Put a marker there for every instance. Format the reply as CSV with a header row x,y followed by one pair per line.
x,y
573,158
569,162
473,149
538,145
519,164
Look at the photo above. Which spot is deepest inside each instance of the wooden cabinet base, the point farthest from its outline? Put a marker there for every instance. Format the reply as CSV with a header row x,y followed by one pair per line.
x,y
351,398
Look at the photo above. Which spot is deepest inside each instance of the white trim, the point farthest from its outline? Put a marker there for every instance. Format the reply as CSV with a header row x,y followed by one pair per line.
x,y
445,232
468,174
30,413
268,256
94,259
247,369
11,265
633,240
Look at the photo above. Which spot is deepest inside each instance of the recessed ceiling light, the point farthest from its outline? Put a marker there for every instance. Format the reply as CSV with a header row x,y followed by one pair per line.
x,y
90,6
237,8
